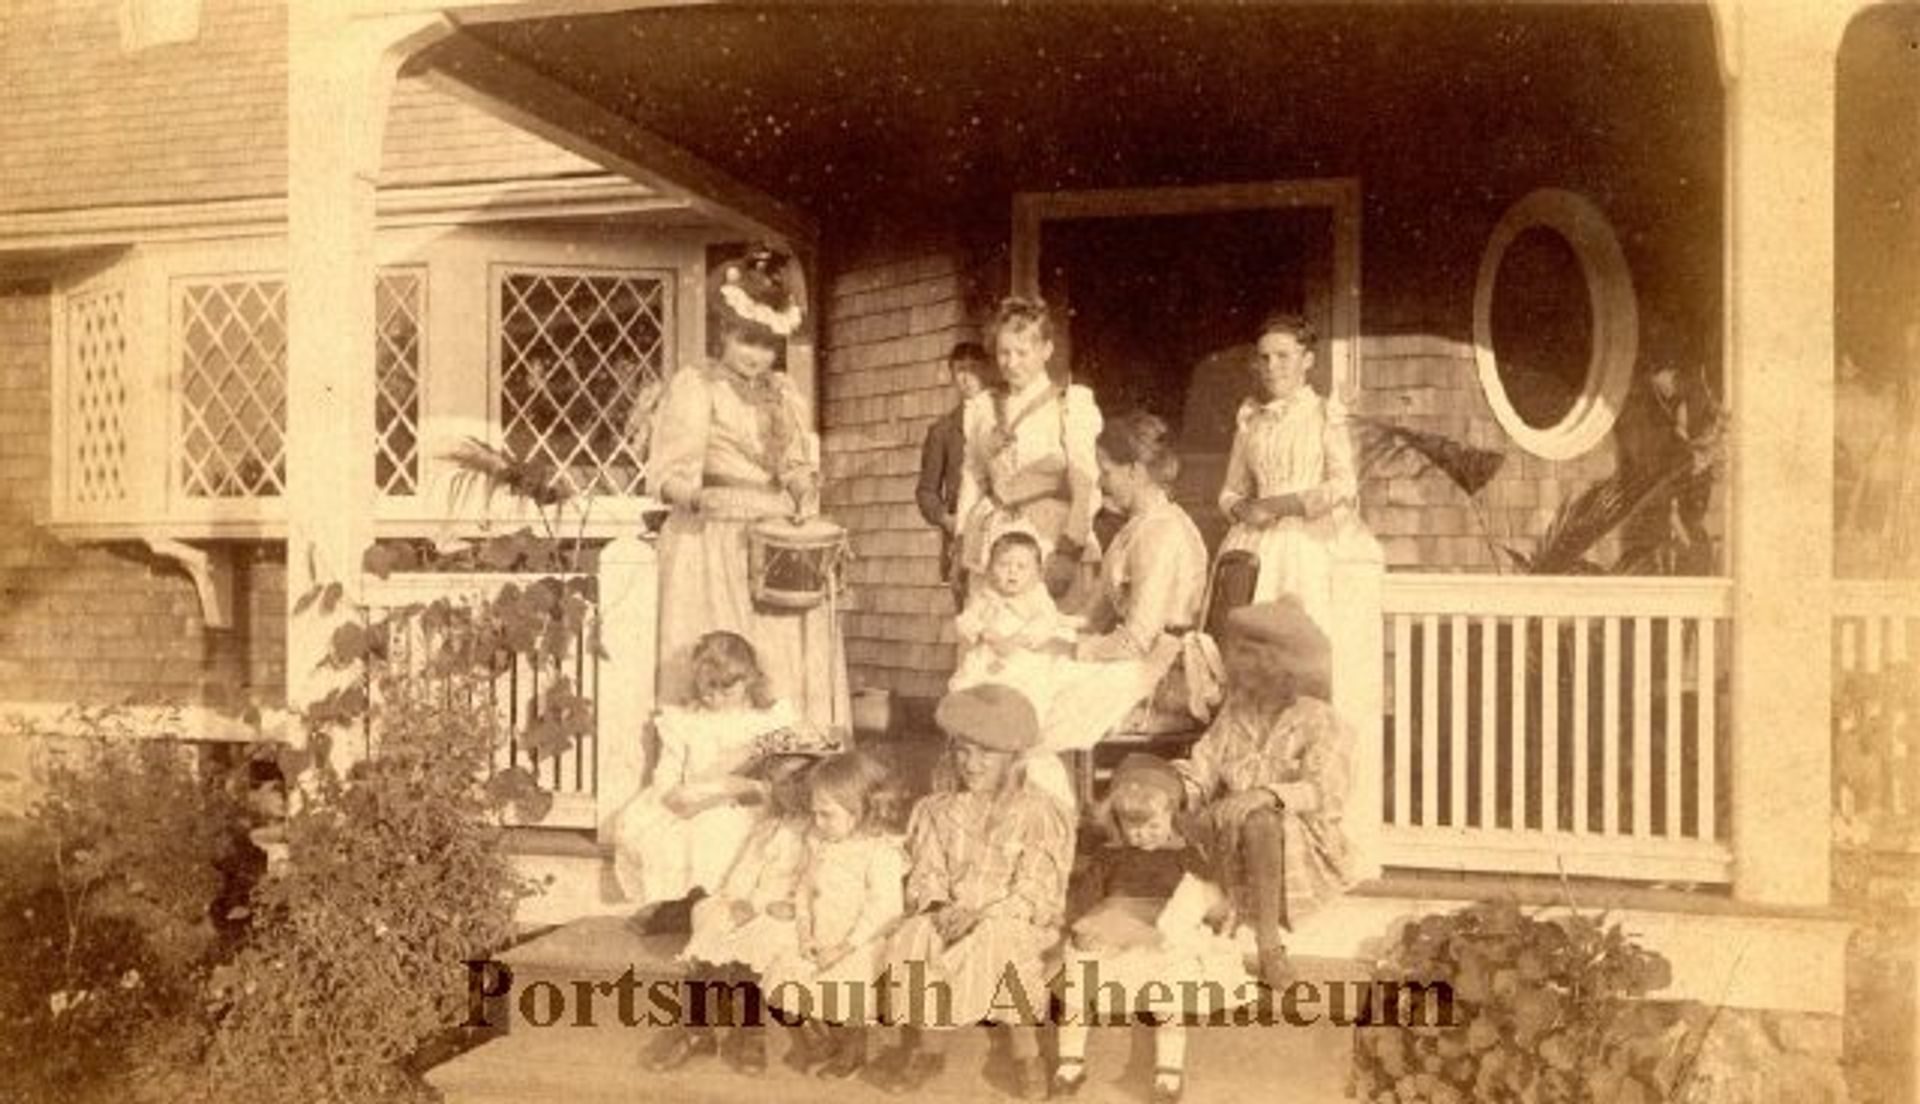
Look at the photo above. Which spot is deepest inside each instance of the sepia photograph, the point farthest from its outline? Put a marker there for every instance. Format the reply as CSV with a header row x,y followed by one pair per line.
x,y
850,551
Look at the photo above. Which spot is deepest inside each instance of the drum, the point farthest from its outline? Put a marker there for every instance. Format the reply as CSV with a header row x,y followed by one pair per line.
x,y
795,565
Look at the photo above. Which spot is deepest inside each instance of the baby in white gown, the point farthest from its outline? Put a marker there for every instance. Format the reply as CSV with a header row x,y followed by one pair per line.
x,y
1010,631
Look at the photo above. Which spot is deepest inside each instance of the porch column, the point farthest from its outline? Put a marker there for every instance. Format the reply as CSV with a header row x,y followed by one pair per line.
x,y
1779,60
339,72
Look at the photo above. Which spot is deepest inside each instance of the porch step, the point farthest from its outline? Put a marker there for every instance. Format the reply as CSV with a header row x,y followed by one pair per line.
x,y
601,1062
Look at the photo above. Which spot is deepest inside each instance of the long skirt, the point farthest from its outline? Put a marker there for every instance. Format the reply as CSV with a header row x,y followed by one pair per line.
x,y
1296,557
843,991
995,973
662,856
705,586
1089,700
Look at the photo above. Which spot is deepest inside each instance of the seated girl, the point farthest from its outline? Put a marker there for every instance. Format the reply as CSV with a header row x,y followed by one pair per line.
x,y
742,925
1130,933
846,901
682,832
1010,631
986,883
1268,780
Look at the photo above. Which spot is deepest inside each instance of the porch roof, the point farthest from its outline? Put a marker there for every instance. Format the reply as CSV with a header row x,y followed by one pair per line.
x,y
853,111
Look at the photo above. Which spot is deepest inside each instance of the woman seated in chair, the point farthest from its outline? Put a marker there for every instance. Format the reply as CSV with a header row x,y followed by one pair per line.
x,y
1153,580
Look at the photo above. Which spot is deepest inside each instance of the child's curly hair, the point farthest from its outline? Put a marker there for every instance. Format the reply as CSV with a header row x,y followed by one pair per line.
x,y
722,659
864,786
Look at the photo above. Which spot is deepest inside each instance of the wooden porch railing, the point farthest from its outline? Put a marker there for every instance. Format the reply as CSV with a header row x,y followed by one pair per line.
x,y
1565,725
590,780
1876,646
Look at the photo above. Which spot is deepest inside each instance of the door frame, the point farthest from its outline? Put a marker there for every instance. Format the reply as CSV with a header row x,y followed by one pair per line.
x,y
1338,196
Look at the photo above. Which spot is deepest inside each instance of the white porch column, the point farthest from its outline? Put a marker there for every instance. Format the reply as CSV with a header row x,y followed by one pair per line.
x,y
1358,639
1779,60
339,73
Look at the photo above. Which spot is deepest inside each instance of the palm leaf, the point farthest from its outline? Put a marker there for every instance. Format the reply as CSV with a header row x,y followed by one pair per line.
x,y
496,469
1467,467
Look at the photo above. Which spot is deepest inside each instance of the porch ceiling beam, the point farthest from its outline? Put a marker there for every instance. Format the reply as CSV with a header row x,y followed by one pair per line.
x,y
513,90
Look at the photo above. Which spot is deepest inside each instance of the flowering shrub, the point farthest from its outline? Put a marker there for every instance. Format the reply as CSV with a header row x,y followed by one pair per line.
x,y
394,877
109,896
1543,1014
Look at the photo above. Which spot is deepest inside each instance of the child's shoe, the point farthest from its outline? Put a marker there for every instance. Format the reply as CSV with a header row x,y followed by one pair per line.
x,y
1030,1078
849,1054
1068,1078
807,1048
745,1049
904,1070
1169,1085
676,1047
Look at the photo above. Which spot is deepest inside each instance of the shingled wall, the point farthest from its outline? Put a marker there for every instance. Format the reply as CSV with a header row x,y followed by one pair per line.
x,y
889,323
106,624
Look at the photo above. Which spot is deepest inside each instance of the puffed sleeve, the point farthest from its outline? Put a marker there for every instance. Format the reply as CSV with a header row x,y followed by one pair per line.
x,y
1339,483
1039,889
1158,580
680,441
803,448
929,882
1080,428
1319,785
1238,486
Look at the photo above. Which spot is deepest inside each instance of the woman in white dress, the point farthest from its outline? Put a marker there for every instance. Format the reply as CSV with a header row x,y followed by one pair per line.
x,y
1291,481
1153,580
731,447
1029,458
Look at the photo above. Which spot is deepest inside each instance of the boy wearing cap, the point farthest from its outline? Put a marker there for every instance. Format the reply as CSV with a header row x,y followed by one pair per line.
x,y
986,887
1268,781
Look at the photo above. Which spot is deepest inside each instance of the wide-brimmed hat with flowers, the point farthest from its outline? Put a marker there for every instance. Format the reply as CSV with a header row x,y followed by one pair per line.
x,y
750,294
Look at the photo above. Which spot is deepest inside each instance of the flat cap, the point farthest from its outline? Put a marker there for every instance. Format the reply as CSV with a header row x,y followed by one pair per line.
x,y
991,716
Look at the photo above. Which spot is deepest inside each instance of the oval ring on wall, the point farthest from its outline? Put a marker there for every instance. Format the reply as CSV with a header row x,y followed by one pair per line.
x,y
1616,322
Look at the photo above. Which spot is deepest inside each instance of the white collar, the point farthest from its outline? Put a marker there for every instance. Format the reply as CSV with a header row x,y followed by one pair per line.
x,y
1038,384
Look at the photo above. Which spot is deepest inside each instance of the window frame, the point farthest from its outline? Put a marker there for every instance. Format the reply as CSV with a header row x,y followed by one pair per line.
x,y
1581,224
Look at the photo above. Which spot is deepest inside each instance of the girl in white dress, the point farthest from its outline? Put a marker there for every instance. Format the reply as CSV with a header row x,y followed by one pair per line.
x,y
683,831
847,899
1291,481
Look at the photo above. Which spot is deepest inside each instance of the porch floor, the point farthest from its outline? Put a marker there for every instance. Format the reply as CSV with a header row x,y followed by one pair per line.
x,y
602,1062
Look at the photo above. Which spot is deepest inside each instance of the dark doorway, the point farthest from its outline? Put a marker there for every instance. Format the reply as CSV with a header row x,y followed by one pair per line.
x,y
1161,313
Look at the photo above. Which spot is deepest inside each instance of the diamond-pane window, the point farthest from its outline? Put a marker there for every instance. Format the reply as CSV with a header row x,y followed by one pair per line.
x,y
399,302
233,388
97,361
576,351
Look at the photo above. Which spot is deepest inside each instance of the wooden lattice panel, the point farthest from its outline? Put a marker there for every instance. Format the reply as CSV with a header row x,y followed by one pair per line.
x,y
576,351
399,308
233,388
97,355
